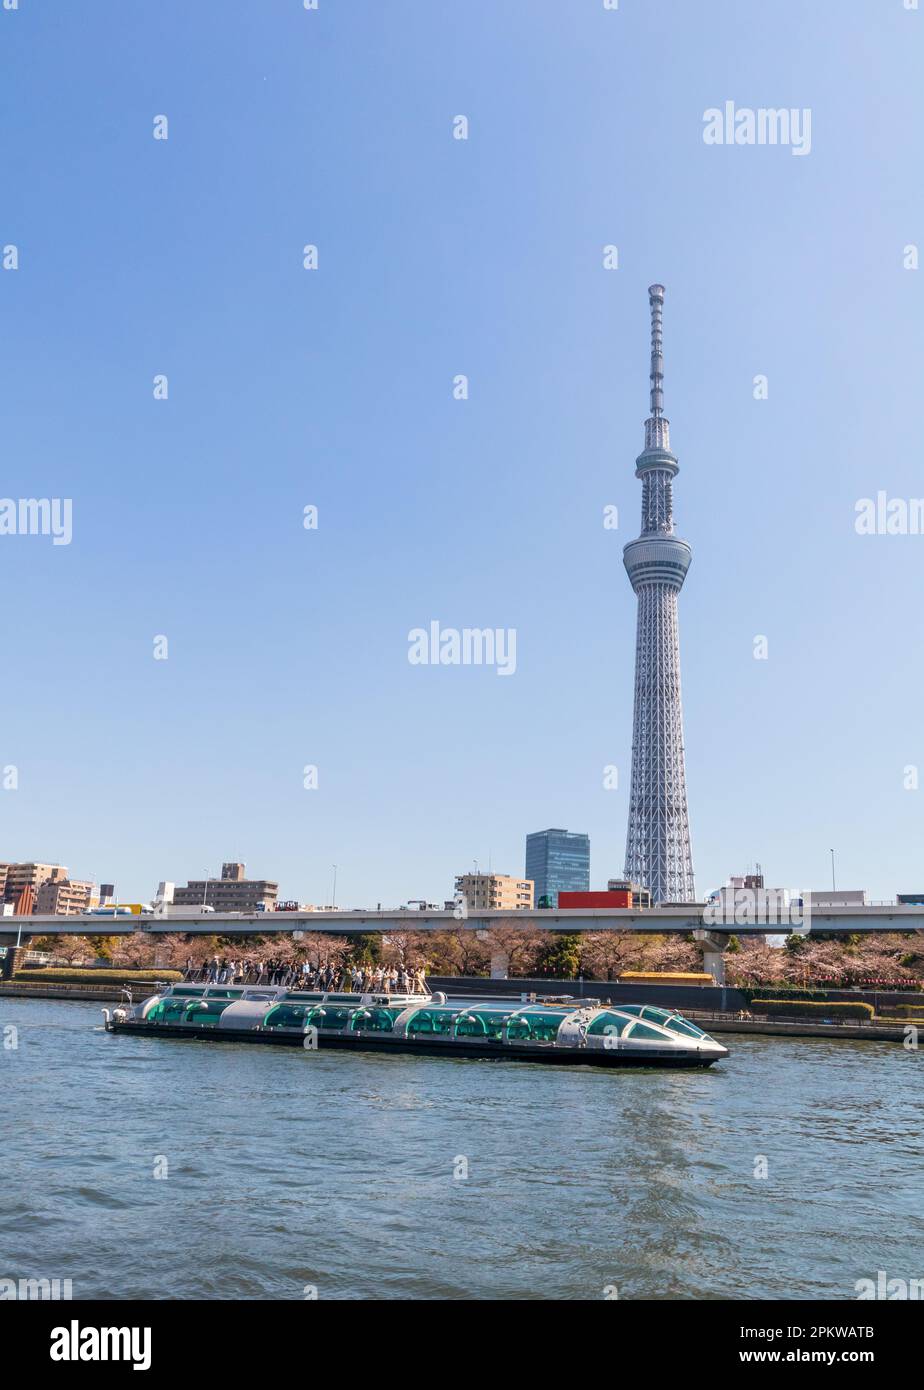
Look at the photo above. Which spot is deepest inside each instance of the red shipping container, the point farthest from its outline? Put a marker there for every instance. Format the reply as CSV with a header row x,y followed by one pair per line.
x,y
621,897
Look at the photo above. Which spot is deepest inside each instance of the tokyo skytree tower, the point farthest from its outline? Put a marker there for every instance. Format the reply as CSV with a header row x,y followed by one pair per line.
x,y
658,851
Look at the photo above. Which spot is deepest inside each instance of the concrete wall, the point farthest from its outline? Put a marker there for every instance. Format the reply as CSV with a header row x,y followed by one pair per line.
x,y
674,996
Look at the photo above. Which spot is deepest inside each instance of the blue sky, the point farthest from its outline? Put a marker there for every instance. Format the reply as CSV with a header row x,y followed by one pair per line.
x,y
333,388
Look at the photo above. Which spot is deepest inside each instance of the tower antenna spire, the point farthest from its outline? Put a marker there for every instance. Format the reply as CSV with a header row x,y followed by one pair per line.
x,y
656,304
657,426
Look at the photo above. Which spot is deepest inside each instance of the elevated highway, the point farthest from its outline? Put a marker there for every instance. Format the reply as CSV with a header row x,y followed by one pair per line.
x,y
711,925
684,918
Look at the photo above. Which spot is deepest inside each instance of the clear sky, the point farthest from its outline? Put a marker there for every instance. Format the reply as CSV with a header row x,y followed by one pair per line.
x,y
438,256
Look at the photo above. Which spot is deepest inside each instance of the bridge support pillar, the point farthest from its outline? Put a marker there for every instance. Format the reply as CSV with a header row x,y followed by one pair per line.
x,y
12,960
500,965
714,944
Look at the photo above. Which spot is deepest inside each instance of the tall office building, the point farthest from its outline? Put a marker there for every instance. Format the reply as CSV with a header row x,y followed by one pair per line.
x,y
557,860
658,849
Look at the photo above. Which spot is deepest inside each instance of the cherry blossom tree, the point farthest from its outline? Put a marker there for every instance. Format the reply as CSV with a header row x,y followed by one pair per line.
x,y
757,965
135,950
605,954
668,953
458,952
523,946
74,949
320,949
408,948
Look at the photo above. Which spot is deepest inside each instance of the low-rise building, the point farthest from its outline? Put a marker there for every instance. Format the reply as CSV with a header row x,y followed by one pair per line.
x,y
640,895
500,891
233,892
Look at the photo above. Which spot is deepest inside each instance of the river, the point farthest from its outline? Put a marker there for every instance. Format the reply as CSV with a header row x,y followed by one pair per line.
x,y
287,1173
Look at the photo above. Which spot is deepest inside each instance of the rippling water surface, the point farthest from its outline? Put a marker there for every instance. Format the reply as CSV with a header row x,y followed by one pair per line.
x,y
289,1168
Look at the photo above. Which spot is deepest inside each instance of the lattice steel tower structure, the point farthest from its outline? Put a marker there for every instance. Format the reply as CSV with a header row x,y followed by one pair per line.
x,y
658,851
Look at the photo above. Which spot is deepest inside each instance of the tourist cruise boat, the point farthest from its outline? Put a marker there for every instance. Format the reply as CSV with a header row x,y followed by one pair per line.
x,y
559,1031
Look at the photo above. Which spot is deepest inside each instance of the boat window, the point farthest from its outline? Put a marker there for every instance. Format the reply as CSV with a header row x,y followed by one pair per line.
x,y
286,1016
610,1025
480,1023
184,992
169,1010
205,1013
643,1030
374,1020
534,1027
224,993
303,994
329,1016
683,1025
656,1015
343,999
431,1021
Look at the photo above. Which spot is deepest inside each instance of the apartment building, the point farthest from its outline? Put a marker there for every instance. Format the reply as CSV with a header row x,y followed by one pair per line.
x,y
233,892
501,891
16,877
63,897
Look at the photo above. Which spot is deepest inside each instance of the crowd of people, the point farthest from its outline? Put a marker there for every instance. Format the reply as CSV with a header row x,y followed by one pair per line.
x,y
341,979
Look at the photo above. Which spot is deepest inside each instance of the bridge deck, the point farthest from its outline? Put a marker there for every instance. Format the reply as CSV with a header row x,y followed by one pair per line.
x,y
887,917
